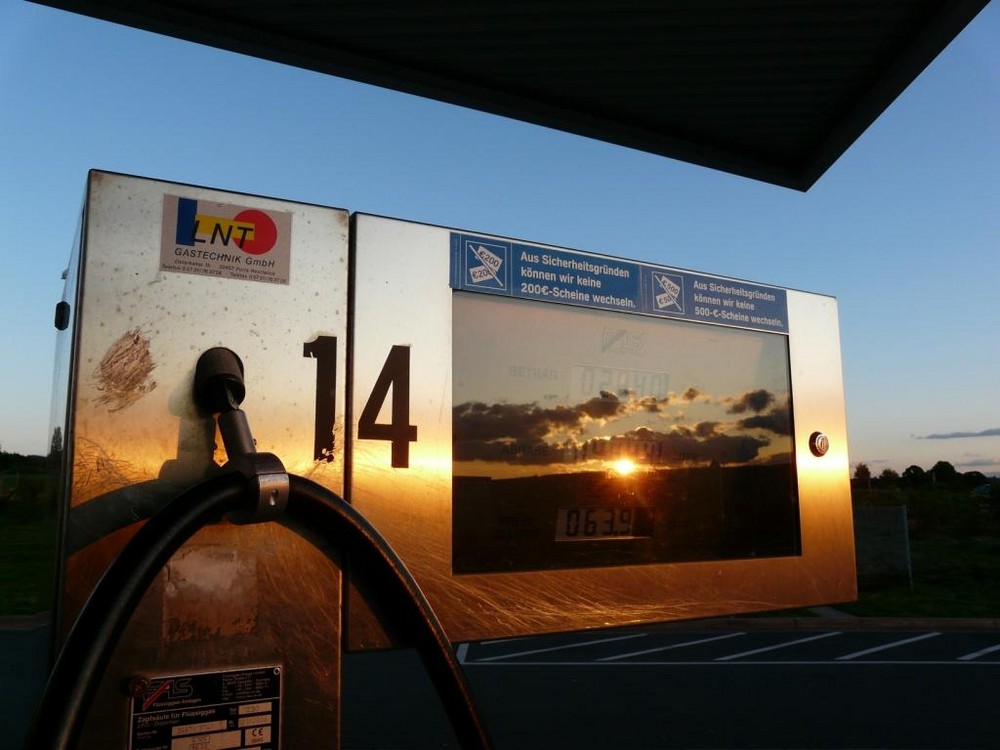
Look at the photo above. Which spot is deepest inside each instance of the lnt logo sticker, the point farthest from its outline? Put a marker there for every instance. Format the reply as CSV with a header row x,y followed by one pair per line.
x,y
251,230
226,240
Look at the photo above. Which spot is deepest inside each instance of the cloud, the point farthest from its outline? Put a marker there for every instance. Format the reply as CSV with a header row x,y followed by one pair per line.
x,y
979,463
992,432
652,405
529,434
755,401
522,434
777,421
706,429
475,420
527,452
699,445
663,449
600,407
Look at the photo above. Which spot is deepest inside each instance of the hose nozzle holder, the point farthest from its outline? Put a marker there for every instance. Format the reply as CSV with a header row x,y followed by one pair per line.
x,y
219,389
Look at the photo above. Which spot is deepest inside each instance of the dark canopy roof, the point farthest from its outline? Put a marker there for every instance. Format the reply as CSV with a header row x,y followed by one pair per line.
x,y
775,90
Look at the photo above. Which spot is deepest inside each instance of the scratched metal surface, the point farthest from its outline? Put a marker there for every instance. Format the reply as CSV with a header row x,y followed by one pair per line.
x,y
401,272
134,438
233,596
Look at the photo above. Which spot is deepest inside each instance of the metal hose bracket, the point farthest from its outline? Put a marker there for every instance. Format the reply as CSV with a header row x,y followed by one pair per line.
x,y
268,480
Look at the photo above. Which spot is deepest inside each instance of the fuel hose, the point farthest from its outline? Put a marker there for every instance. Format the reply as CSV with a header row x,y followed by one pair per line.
x,y
87,650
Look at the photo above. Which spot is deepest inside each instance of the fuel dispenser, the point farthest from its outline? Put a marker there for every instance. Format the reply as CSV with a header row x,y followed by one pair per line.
x,y
456,436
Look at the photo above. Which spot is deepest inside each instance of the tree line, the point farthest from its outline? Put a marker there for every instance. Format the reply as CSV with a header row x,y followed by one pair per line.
x,y
941,475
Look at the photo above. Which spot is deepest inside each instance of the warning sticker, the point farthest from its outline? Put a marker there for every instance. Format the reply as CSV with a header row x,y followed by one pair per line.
x,y
222,239
209,711
570,277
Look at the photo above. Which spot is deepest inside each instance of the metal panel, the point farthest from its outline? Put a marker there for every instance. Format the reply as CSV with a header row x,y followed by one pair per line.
x,y
234,596
135,436
403,299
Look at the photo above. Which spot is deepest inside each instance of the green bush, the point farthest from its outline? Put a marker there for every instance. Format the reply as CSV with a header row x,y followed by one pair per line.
x,y
27,535
27,565
954,549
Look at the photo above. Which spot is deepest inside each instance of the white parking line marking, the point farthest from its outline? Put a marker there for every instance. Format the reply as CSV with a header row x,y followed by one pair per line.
x,y
744,664
780,645
507,640
981,652
887,646
559,648
670,648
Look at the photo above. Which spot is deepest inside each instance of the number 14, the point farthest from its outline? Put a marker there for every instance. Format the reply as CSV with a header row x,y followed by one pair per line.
x,y
395,374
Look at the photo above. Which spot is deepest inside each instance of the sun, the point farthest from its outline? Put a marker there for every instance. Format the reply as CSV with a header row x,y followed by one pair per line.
x,y
624,466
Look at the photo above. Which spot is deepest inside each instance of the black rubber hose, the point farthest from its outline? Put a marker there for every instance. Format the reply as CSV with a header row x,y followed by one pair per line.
x,y
85,654
399,598
87,650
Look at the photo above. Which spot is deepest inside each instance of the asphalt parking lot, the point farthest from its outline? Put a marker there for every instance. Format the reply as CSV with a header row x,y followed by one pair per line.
x,y
650,647
737,682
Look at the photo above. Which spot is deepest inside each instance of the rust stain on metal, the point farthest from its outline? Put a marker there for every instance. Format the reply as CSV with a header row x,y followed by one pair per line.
x,y
123,376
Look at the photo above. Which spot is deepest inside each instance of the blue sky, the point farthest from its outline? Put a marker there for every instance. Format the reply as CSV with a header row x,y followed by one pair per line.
x,y
904,229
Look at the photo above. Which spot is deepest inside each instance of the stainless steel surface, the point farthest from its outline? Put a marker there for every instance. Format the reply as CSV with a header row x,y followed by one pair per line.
x,y
403,298
233,596
134,438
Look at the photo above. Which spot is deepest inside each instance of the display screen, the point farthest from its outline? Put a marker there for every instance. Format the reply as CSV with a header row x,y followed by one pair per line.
x,y
586,437
581,524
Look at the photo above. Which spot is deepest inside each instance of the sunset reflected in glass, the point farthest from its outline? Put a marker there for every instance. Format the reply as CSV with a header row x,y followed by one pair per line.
x,y
555,406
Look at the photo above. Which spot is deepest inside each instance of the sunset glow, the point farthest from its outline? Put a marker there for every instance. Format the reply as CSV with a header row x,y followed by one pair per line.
x,y
624,466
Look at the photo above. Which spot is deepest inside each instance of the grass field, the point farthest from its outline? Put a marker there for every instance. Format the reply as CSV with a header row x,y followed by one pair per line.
x,y
27,552
954,555
27,535
953,576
